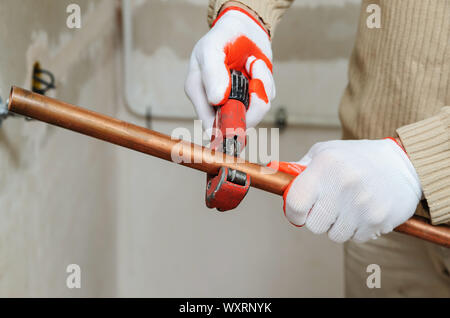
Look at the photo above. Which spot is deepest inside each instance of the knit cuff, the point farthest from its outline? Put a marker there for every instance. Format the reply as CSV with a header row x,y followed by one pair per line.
x,y
270,12
428,147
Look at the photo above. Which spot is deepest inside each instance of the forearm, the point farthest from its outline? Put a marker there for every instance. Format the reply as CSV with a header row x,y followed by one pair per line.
x,y
428,145
243,7
267,11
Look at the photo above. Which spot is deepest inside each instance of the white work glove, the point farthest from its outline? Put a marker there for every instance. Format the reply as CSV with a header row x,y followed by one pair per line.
x,y
236,41
354,189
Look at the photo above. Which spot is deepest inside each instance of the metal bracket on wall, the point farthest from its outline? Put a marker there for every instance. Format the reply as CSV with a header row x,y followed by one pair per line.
x,y
42,81
4,113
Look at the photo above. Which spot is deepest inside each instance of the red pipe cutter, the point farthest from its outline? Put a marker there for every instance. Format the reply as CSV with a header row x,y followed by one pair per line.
x,y
226,190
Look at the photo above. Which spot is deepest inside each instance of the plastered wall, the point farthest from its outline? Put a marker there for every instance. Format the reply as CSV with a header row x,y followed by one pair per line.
x,y
57,202
136,225
311,48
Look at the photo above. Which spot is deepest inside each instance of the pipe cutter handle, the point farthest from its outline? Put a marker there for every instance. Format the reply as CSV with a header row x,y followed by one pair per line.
x,y
226,190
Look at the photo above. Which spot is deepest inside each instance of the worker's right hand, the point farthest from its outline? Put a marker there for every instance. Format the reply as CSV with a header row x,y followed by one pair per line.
x,y
353,189
236,41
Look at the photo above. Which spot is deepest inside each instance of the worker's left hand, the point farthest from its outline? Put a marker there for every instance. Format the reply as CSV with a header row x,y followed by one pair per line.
x,y
354,189
236,41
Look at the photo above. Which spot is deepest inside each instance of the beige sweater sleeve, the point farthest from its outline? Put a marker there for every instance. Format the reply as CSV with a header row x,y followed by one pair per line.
x,y
427,143
270,11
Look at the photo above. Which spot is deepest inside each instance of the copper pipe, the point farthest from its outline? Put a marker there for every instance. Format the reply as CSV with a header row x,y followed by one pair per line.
x,y
124,134
127,135
420,228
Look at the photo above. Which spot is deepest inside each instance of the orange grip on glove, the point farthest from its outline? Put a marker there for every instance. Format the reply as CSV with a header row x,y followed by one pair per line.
x,y
291,168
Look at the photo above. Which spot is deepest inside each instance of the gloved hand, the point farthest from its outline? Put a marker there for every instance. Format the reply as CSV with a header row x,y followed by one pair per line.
x,y
236,41
354,189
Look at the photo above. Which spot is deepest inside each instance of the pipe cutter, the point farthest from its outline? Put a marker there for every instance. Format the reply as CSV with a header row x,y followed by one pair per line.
x,y
227,189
